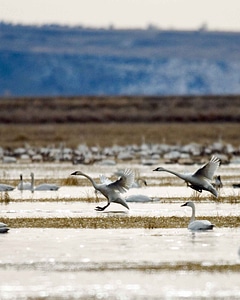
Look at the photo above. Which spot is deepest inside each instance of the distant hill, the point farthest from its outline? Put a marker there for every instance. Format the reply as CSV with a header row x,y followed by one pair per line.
x,y
55,60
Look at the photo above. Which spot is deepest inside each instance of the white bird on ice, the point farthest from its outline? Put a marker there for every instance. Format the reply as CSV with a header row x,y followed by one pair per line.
x,y
201,179
196,225
111,190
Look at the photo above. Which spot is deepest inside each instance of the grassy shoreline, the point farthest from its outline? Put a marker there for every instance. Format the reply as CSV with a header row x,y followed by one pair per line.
x,y
106,222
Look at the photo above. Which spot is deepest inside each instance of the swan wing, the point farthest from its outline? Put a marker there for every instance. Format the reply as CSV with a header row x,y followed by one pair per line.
x,y
104,179
124,182
209,168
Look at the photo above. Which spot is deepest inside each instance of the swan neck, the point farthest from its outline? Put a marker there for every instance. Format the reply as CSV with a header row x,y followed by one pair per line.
x,y
32,182
90,178
193,214
176,174
21,183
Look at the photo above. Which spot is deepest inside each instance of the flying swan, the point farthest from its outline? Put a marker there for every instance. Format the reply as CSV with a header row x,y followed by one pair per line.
x,y
201,179
195,225
111,190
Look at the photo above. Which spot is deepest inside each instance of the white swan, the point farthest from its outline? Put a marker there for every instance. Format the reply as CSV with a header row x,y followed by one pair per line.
x,y
200,180
6,187
197,224
218,183
139,182
138,198
24,185
111,190
43,186
3,228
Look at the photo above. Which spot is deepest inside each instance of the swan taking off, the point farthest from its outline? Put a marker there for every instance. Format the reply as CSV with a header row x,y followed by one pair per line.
x,y
201,179
197,224
3,228
111,190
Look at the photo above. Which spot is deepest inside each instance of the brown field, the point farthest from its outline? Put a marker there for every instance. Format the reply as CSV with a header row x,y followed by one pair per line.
x,y
17,135
105,121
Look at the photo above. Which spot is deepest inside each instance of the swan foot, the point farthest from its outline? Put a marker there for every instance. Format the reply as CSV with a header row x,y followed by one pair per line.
x,y
99,208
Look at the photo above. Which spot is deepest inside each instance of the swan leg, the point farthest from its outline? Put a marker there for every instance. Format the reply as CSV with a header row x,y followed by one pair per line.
x,y
99,208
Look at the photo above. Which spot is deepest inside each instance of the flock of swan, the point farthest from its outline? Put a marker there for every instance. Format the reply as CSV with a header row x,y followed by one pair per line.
x,y
145,154
199,180
29,186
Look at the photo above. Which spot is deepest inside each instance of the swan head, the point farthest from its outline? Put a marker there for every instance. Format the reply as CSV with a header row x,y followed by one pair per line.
x,y
188,203
159,169
77,173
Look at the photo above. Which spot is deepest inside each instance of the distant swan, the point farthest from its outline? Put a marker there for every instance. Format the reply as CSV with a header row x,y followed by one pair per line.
x,y
111,190
3,228
138,198
197,224
139,182
218,183
43,186
200,180
6,187
24,185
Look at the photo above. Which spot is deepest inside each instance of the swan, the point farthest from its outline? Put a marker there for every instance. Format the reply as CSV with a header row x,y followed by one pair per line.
x,y
197,224
200,180
138,182
3,228
218,183
138,198
6,187
24,185
111,190
43,186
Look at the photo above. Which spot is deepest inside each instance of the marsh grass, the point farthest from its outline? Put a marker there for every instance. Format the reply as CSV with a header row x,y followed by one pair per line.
x,y
69,181
123,221
147,267
5,198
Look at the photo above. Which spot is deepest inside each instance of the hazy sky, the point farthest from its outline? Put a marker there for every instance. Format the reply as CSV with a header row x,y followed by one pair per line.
x,y
165,14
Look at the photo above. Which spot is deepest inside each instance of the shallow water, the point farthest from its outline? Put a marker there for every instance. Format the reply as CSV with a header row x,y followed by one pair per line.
x,y
84,209
117,263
